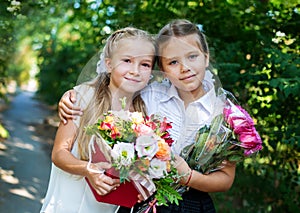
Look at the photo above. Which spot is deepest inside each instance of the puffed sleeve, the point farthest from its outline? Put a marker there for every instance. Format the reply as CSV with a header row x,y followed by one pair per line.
x,y
84,94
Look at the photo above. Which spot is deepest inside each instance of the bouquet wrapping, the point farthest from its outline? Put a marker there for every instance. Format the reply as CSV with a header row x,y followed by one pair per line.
x,y
138,149
231,136
127,193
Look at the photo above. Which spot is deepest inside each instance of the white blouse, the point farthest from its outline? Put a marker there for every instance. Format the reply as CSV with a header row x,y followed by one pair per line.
x,y
163,99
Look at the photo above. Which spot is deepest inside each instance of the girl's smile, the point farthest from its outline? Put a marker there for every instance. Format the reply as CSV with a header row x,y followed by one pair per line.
x,y
130,66
184,64
132,79
188,78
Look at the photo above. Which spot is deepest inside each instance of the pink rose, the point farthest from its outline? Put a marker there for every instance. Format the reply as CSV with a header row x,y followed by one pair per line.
x,y
241,126
143,129
251,141
248,152
151,124
238,119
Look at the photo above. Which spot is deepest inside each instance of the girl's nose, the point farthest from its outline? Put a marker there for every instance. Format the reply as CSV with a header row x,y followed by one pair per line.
x,y
134,69
184,67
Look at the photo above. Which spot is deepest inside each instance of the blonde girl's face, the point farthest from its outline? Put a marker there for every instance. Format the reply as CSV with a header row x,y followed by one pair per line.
x,y
130,65
184,63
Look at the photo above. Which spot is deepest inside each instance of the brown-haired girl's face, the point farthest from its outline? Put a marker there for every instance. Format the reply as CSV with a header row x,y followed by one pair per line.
x,y
183,62
130,65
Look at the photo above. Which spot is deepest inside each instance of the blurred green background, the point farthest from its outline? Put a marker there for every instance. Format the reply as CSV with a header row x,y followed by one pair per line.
x,y
255,49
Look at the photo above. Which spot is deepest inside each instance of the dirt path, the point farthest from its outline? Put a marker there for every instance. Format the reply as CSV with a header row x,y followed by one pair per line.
x,y
25,156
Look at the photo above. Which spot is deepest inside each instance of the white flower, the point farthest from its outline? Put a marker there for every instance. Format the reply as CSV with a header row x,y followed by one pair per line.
x,y
123,153
137,117
146,146
158,168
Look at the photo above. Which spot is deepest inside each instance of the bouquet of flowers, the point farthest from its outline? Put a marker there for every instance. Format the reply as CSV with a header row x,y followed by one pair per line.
x,y
139,150
231,136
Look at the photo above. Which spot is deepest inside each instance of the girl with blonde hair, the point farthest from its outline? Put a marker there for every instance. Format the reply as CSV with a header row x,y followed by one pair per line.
x,y
124,70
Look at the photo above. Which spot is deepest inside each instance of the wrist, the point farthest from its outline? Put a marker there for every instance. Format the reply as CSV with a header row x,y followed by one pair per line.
x,y
91,169
188,178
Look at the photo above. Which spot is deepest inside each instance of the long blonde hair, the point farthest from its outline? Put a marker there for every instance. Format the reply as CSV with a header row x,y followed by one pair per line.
x,y
101,100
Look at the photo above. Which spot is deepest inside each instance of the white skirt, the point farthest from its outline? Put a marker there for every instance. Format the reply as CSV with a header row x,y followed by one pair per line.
x,y
71,194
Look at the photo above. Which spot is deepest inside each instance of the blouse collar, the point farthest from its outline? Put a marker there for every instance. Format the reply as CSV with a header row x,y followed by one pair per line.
x,y
207,101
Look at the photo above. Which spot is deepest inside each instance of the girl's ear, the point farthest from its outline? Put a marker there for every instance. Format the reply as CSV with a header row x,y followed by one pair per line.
x,y
206,60
108,65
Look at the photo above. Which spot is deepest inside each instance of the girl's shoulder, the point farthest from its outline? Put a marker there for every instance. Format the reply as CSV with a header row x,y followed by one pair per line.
x,y
84,87
156,88
84,94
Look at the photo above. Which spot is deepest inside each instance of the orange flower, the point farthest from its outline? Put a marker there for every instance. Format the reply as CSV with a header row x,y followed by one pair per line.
x,y
115,132
164,151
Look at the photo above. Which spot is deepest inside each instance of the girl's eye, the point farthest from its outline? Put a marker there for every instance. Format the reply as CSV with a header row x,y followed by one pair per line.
x,y
194,56
146,65
173,62
126,60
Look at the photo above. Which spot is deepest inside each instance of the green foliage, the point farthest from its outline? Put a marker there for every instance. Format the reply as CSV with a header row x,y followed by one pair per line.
x,y
7,45
258,189
8,14
254,47
165,191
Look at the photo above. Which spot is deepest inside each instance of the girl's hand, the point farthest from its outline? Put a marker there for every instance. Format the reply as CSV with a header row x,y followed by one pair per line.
x,y
66,107
183,169
102,183
140,198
